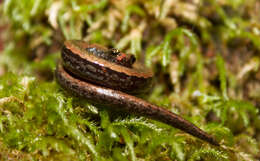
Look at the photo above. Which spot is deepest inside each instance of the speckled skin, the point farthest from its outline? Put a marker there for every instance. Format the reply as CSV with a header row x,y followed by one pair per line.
x,y
87,66
121,101
113,55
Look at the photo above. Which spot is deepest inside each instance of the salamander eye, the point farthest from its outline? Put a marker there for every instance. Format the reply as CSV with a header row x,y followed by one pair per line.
x,y
114,51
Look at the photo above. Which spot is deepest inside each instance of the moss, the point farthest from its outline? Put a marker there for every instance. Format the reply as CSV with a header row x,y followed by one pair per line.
x,y
204,55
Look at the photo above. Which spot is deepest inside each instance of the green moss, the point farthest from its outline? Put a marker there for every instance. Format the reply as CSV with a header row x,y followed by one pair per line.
x,y
206,63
